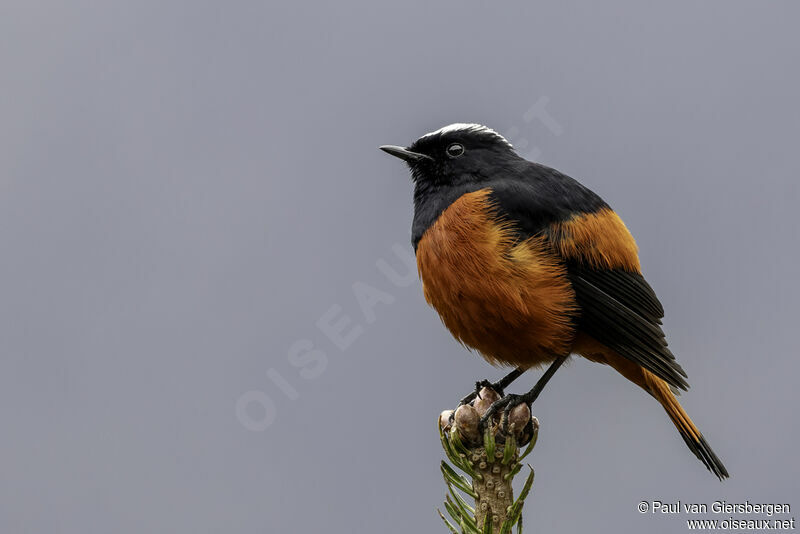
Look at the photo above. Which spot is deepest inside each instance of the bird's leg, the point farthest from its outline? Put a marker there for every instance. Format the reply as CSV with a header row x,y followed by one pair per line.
x,y
507,403
498,386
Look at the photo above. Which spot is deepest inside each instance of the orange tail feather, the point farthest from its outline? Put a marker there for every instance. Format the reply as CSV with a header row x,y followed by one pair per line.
x,y
689,432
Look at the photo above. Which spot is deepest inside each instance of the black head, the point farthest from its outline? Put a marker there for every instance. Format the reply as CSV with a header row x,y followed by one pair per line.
x,y
455,155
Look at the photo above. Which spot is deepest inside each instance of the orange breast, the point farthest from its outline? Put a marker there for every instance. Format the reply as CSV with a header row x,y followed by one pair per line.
x,y
509,300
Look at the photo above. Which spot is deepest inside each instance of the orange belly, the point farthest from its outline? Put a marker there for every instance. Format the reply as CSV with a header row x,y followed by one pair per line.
x,y
509,300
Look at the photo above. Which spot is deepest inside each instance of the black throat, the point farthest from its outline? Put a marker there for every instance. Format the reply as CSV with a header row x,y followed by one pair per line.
x,y
430,201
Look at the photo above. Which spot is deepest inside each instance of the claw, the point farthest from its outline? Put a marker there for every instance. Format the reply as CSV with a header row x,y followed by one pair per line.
x,y
477,393
487,398
507,403
468,399
486,384
496,387
490,412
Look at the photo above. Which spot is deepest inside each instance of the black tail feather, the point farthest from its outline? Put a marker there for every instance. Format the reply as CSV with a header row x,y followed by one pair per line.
x,y
705,454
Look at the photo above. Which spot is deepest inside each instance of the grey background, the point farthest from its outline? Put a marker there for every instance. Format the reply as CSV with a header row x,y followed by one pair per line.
x,y
186,187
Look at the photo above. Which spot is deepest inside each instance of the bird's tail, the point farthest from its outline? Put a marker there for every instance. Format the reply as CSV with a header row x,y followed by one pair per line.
x,y
689,432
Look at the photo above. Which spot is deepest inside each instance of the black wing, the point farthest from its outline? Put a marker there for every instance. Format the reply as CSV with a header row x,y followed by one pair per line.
x,y
619,308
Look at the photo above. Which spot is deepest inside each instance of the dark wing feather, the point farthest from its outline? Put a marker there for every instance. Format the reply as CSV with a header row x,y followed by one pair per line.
x,y
621,311
630,289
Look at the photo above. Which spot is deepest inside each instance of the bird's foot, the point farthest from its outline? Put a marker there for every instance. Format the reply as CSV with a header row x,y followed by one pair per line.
x,y
503,407
484,390
471,397
494,386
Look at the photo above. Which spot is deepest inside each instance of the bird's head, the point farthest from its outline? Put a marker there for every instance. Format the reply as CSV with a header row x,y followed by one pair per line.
x,y
456,154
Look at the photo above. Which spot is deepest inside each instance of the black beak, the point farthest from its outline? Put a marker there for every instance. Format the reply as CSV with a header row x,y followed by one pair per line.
x,y
404,153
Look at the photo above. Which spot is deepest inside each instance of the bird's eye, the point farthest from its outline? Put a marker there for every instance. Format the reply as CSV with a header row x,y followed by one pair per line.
x,y
455,150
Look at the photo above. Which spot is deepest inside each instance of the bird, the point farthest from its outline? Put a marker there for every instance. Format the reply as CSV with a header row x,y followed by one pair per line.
x,y
527,266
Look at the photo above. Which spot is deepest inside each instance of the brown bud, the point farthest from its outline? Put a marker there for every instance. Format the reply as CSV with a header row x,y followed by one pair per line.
x,y
519,417
486,397
467,423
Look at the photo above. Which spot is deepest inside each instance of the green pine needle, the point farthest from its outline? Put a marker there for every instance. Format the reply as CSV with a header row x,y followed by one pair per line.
x,y
457,480
508,450
488,443
487,524
449,525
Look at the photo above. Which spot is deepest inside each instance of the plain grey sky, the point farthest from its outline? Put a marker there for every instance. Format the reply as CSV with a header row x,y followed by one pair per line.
x,y
186,188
